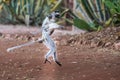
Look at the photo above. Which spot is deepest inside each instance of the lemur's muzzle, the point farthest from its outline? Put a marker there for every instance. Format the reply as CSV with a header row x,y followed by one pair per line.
x,y
57,15
54,15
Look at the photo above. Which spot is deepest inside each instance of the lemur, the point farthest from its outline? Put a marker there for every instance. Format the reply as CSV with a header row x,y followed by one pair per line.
x,y
48,28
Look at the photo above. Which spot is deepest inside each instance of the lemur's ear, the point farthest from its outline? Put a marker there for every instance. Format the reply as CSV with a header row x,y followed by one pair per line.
x,y
57,11
50,16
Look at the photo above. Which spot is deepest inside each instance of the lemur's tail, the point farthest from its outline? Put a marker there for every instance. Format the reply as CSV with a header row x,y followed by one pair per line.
x,y
22,45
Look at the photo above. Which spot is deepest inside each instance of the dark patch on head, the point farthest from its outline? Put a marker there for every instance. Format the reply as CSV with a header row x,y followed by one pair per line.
x,y
57,15
50,16
56,11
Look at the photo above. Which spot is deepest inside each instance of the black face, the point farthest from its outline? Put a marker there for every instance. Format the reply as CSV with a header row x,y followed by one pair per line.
x,y
55,14
50,16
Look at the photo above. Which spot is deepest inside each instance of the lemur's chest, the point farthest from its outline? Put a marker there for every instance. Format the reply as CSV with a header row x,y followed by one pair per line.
x,y
46,36
48,41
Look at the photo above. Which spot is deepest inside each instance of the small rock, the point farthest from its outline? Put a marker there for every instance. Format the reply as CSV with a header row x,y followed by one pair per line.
x,y
108,44
38,68
16,36
74,62
28,38
63,42
93,44
7,36
57,42
117,46
71,40
84,76
20,38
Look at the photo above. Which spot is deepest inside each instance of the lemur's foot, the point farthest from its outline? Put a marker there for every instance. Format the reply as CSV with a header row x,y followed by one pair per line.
x,y
58,63
47,61
40,41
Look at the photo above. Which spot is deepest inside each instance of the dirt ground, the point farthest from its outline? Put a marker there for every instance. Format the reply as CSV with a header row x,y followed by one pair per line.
x,y
79,62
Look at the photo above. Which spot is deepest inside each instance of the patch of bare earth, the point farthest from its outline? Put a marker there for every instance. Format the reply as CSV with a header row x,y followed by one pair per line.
x,y
81,58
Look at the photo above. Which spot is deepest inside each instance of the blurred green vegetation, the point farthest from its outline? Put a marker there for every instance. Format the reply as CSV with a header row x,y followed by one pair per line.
x,y
26,11
93,15
90,15
114,8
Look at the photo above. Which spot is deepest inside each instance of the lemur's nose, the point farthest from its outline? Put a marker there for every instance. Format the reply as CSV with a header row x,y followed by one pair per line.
x,y
57,15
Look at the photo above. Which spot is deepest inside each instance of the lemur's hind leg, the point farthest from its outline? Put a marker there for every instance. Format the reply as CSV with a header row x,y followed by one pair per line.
x,y
46,60
58,63
56,59
47,56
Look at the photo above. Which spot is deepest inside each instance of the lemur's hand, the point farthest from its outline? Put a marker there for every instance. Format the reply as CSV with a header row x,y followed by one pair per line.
x,y
62,27
40,40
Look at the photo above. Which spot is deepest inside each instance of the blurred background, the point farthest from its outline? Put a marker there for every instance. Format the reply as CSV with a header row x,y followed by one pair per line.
x,y
89,15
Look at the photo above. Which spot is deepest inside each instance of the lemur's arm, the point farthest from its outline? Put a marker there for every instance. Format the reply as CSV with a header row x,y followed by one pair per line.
x,y
51,31
40,40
